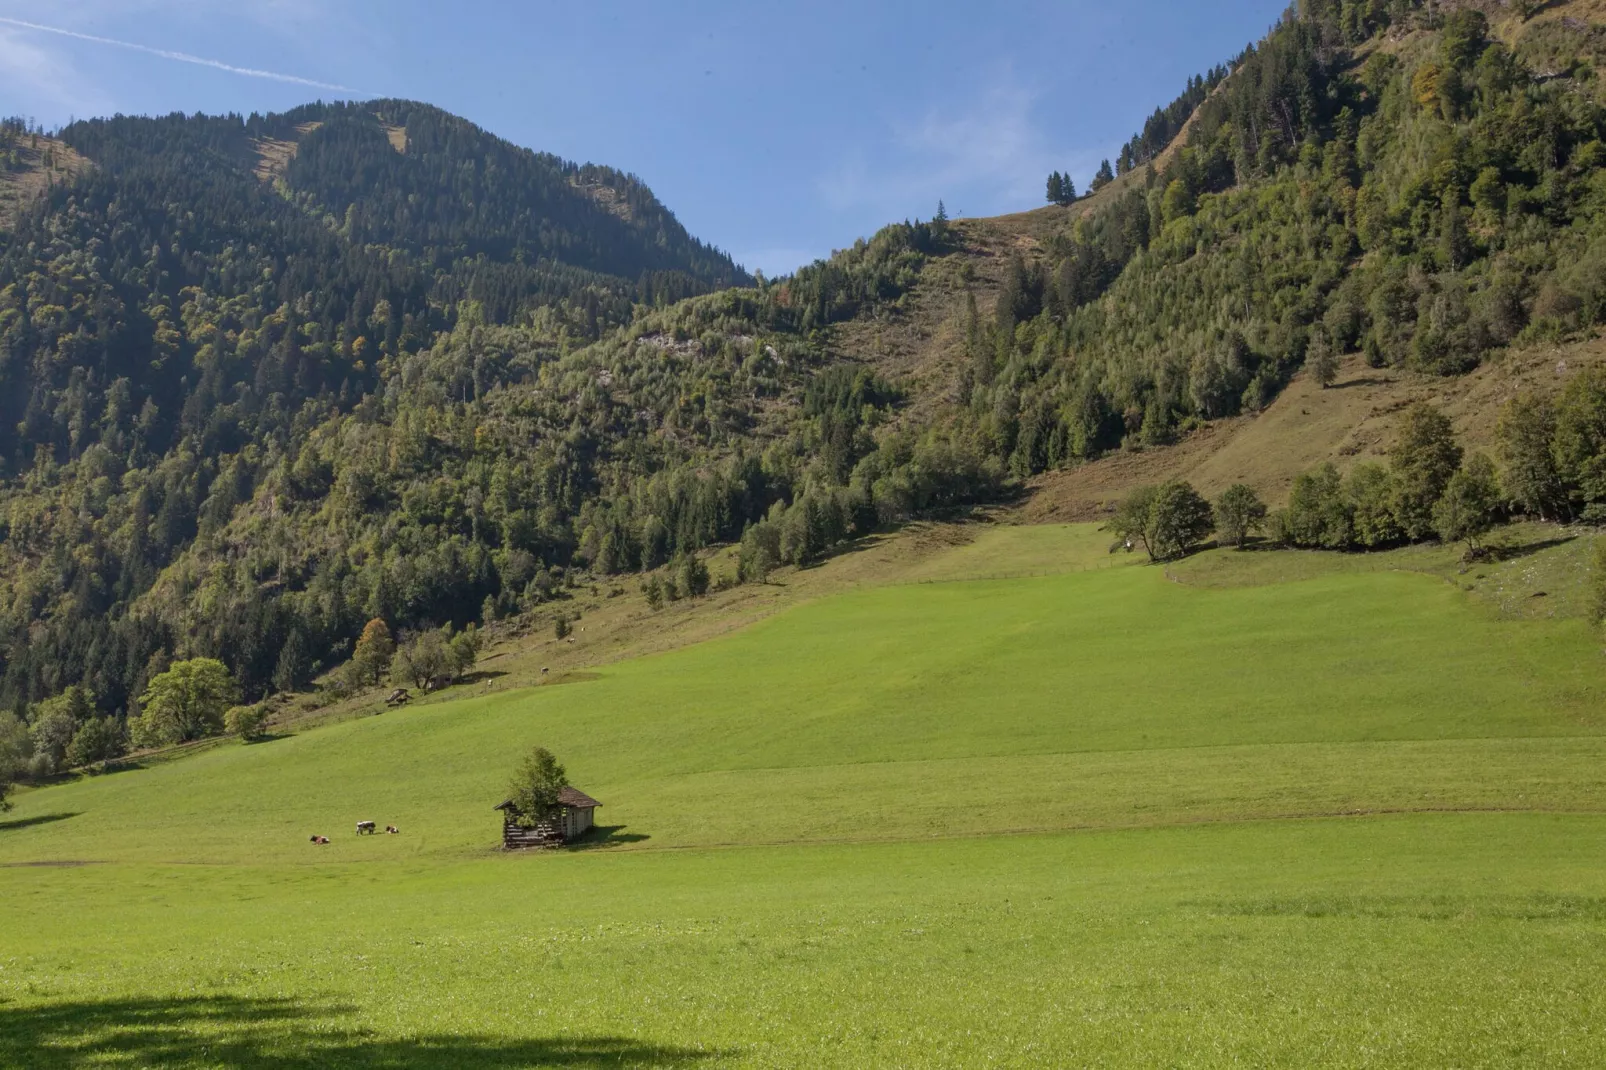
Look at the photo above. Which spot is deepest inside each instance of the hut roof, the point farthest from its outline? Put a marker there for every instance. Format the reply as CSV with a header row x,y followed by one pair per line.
x,y
573,798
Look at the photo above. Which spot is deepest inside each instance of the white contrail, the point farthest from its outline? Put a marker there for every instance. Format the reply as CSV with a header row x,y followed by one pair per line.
x,y
182,57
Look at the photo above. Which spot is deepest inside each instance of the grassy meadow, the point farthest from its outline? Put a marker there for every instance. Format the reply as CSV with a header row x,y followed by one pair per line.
x,y
1248,810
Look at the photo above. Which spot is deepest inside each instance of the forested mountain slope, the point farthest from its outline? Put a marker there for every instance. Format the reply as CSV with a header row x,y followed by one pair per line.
x,y
262,380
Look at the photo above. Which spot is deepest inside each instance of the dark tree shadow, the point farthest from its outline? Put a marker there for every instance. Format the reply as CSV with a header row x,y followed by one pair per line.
x,y
29,822
483,676
1365,380
1514,553
277,1034
607,836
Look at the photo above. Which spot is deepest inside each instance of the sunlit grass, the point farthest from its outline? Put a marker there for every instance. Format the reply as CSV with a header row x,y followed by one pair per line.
x,y
1097,818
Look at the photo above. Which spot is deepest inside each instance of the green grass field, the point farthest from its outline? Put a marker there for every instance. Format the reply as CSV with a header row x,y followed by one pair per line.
x,y
1247,811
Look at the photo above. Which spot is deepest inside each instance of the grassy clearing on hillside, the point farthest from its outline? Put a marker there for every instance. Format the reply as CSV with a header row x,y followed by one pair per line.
x,y
804,859
1534,572
916,702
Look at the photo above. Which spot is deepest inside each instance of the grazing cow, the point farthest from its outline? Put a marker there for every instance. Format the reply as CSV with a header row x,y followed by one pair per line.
x,y
320,839
391,830
366,827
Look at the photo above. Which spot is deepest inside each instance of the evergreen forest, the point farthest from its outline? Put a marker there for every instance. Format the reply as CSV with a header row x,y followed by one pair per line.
x,y
267,379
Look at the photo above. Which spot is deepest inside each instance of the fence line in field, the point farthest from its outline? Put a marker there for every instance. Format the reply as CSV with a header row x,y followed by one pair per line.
x,y
1016,575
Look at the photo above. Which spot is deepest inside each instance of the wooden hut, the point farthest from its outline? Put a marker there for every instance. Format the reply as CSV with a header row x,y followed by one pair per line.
x,y
576,814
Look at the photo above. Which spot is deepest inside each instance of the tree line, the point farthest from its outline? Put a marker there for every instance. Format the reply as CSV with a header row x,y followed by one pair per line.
x,y
1429,488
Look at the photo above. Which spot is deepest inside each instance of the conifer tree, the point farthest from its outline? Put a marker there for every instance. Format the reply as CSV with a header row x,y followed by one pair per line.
x,y
1104,177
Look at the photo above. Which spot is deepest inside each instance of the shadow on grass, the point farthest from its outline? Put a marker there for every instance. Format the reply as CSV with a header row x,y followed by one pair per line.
x,y
117,765
608,836
29,822
1513,553
481,677
281,1034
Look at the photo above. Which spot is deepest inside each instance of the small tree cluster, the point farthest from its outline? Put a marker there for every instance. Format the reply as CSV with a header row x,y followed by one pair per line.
x,y
689,579
436,657
1105,175
1555,452
1061,189
1169,521
1423,491
57,734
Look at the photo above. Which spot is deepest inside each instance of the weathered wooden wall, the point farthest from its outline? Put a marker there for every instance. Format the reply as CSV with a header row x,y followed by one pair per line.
x,y
515,837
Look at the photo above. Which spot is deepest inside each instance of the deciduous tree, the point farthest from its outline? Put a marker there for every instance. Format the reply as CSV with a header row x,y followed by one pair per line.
x,y
98,741
1131,521
1239,514
1179,520
1423,459
186,702
1525,436
16,748
375,649
535,786
1465,512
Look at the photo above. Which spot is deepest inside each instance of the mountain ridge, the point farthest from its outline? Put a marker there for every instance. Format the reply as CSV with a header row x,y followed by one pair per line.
x,y
244,416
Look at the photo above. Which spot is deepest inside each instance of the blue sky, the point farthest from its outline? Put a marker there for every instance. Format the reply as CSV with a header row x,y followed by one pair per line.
x,y
775,132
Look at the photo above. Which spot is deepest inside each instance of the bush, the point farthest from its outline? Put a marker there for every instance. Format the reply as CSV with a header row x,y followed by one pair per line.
x,y
760,551
693,577
464,649
98,741
246,722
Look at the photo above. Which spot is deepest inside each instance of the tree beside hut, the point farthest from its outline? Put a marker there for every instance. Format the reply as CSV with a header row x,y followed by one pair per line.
x,y
542,808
